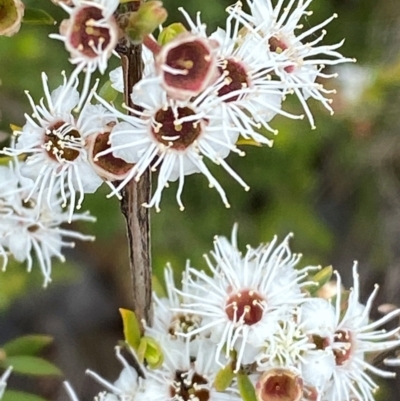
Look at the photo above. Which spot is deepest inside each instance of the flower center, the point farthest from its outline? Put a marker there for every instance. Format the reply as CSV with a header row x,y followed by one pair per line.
x,y
62,143
109,162
277,45
176,128
246,306
342,354
236,78
188,387
192,61
87,35
184,323
279,385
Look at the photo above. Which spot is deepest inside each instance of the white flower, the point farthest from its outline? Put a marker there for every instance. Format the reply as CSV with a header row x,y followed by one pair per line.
x,y
349,337
172,136
182,377
3,381
247,296
246,94
90,35
54,140
297,64
28,227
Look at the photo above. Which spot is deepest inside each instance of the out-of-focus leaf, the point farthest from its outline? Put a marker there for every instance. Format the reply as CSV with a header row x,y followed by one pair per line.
x,y
107,92
15,127
132,331
246,388
31,365
224,378
320,279
26,345
157,287
12,395
249,141
169,32
36,16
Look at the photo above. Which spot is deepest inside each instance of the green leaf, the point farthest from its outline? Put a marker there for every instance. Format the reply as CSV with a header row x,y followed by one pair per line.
x,y
320,279
31,365
157,287
169,32
251,142
224,378
26,345
246,388
132,332
107,92
11,395
152,352
35,16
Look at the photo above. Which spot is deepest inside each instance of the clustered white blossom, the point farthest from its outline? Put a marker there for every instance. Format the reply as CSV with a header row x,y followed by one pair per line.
x,y
255,316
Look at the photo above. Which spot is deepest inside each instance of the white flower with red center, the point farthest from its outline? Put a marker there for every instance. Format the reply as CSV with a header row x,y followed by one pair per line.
x,y
184,377
167,322
32,228
54,140
297,62
349,337
245,92
173,137
284,384
90,35
246,297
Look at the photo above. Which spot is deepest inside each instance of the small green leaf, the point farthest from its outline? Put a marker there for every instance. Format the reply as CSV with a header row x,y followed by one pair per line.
x,y
35,16
169,33
320,279
224,378
11,395
244,141
107,92
246,388
26,345
132,332
153,353
31,365
157,287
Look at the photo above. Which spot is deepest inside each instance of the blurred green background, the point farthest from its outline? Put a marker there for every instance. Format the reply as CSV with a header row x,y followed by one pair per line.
x,y
336,188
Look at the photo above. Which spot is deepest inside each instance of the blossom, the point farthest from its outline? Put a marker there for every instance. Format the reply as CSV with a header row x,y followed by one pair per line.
x,y
297,62
172,136
247,97
30,227
54,140
183,377
3,381
246,297
12,12
90,35
349,335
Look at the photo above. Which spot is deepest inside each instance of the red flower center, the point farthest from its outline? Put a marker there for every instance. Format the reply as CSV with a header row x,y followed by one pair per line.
x,y
245,305
236,78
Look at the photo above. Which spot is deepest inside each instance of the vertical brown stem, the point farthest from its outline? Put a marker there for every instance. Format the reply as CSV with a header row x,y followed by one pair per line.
x,y
133,196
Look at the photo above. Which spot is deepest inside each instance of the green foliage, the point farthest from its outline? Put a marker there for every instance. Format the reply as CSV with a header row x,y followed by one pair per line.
x,y
132,332
224,378
246,388
36,16
30,365
27,345
12,395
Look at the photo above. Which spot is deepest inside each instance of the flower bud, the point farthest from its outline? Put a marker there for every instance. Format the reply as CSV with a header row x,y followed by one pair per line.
x,y
143,22
187,65
279,385
108,167
11,13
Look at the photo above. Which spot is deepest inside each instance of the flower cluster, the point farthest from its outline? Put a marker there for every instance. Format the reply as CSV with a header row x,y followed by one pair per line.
x,y
253,325
29,227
